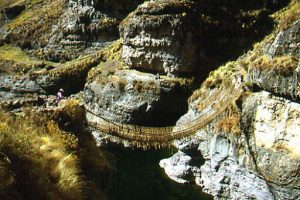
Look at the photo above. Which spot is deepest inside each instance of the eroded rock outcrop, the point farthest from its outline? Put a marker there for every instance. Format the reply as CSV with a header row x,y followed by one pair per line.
x,y
62,30
251,151
16,92
260,163
159,37
85,27
286,42
133,97
274,65
274,141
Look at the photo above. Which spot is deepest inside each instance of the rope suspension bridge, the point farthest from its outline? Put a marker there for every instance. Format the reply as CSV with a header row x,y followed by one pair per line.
x,y
212,104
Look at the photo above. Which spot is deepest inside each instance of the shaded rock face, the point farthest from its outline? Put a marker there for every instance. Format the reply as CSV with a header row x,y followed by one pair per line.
x,y
51,84
287,42
118,8
278,83
16,92
182,37
13,11
159,37
18,86
133,97
261,163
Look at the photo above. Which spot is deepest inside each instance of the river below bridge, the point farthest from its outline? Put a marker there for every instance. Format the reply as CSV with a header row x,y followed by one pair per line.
x,y
137,176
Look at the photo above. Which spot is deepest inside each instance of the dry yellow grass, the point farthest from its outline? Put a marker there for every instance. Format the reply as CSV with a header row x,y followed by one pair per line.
x,y
44,11
38,159
93,162
16,60
36,20
282,64
8,52
288,15
229,124
217,78
83,65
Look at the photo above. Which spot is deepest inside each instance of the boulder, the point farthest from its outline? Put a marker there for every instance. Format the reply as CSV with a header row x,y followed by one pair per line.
x,y
179,167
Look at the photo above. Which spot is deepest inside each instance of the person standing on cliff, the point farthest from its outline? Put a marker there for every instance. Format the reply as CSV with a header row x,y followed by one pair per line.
x,y
60,95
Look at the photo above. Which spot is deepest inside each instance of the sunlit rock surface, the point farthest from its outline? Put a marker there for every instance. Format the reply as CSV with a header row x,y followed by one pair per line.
x,y
261,163
159,37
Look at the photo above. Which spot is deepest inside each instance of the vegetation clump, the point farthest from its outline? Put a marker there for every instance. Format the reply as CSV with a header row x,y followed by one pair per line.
x,y
51,156
29,28
229,124
220,77
282,64
257,58
81,66
288,15
92,160
15,60
38,160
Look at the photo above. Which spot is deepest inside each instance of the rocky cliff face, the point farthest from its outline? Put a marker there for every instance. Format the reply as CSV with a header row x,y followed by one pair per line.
x,y
252,151
84,27
133,97
167,39
260,163
159,37
142,96
166,49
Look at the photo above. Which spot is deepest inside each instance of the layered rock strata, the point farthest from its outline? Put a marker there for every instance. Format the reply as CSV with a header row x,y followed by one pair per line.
x,y
159,37
80,28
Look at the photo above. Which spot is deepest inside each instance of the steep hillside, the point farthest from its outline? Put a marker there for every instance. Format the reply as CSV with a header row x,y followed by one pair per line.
x,y
151,63
251,151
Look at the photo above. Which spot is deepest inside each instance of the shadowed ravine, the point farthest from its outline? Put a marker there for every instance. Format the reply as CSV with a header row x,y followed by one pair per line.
x,y
138,176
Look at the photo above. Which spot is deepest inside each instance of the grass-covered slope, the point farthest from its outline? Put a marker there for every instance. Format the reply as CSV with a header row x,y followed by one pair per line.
x,y
33,25
50,156
37,160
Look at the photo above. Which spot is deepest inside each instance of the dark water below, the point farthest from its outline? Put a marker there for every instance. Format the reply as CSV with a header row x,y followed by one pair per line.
x,y
138,177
